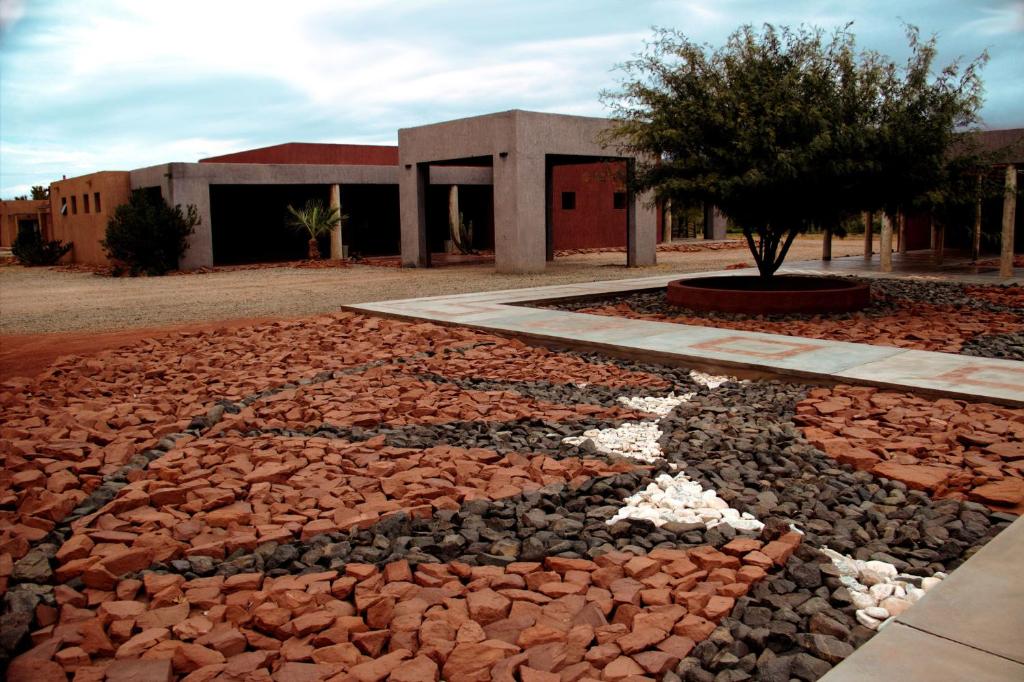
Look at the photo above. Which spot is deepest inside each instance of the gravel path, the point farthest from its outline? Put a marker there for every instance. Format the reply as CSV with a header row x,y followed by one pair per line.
x,y
40,301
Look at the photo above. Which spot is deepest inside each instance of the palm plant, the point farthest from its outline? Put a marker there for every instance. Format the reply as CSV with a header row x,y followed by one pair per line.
x,y
317,220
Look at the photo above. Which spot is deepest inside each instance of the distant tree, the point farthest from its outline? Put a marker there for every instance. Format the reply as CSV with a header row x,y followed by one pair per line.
x,y
21,197
785,129
147,235
40,192
316,220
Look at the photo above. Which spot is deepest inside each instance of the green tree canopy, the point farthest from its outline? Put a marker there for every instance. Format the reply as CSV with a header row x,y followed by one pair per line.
x,y
783,129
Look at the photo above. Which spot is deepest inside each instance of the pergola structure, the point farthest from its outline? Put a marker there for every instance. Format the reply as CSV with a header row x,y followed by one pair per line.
x,y
520,147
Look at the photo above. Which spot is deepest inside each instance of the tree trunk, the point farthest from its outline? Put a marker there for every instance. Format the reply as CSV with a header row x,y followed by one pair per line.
x,y
314,250
767,251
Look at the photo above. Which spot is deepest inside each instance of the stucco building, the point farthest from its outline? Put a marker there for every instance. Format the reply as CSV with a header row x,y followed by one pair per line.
x,y
529,183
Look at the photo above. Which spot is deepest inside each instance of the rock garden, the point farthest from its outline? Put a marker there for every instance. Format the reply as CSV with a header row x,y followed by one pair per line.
x,y
353,498
984,321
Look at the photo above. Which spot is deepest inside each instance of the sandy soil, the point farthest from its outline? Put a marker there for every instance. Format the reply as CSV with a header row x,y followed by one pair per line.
x,y
45,313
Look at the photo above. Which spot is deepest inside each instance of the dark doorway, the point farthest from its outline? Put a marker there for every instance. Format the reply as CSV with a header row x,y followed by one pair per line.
x,y
373,227
250,222
476,204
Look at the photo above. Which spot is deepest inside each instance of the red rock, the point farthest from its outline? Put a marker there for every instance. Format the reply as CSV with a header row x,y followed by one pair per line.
x,y
603,654
134,647
717,608
189,657
487,606
656,662
679,647
302,672
345,653
539,634
371,643
119,610
27,669
72,657
467,662
528,674
561,565
914,476
641,567
128,561
777,552
378,669
140,670
224,638
311,622
740,546
418,669
1008,492
694,627
640,639
621,668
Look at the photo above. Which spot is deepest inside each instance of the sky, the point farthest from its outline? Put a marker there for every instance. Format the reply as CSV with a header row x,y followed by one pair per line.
x,y
88,85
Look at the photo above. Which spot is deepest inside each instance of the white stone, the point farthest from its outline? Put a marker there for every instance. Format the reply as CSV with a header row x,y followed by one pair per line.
x,y
914,594
659,406
636,440
867,621
929,583
894,605
680,499
880,591
862,600
709,380
877,612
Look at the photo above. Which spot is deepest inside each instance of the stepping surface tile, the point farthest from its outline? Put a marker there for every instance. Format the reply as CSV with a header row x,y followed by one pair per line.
x,y
949,374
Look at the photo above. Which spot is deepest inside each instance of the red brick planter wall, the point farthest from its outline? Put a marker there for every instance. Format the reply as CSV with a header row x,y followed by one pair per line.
x,y
782,295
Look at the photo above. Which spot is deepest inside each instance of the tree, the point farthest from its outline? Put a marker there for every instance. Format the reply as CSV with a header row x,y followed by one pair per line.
x,y
317,220
147,235
785,129
30,248
40,192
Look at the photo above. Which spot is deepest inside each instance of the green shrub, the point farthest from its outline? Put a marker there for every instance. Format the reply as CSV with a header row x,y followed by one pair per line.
x,y
30,249
148,236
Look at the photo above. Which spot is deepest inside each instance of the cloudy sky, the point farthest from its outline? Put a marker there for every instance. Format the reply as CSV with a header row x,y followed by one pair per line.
x,y
90,85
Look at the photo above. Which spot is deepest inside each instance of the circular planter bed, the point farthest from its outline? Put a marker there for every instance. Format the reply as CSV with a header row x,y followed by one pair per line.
x,y
779,295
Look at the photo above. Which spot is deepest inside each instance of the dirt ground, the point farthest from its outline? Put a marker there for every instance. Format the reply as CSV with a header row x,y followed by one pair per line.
x,y
47,313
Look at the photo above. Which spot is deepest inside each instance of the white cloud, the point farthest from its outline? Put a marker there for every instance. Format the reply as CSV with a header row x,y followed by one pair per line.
x,y
996,21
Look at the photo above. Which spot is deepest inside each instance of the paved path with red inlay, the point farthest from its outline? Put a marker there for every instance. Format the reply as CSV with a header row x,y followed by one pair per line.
x,y
729,350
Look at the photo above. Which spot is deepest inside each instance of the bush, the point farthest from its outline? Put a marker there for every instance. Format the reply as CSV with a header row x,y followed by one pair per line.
x,y
30,249
148,236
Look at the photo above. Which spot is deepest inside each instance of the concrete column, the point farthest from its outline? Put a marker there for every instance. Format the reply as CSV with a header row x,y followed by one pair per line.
x,y
938,240
715,224
195,191
1009,222
886,247
826,244
412,199
641,225
453,214
869,237
337,250
520,207
901,223
666,222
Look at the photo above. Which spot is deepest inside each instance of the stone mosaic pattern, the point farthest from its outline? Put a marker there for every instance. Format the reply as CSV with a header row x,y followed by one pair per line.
x,y
353,498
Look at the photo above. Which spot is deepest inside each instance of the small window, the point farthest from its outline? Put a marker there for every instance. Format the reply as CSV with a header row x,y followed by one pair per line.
x,y
74,205
619,200
85,203
568,201
63,205
96,202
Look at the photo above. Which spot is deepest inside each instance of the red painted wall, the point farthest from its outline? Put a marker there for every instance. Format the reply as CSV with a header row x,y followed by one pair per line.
x,y
594,222
314,153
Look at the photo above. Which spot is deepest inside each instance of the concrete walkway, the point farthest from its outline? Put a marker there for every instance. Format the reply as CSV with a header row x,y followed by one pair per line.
x,y
968,627
713,349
